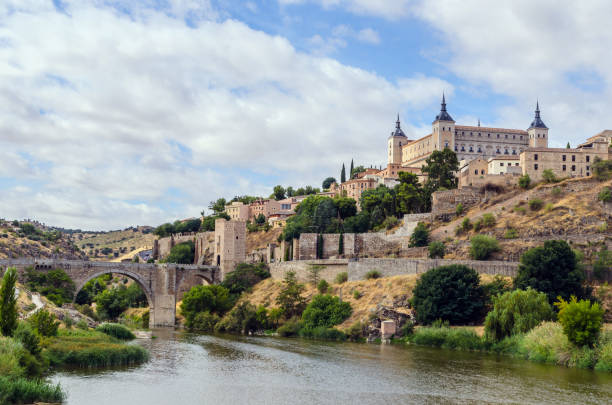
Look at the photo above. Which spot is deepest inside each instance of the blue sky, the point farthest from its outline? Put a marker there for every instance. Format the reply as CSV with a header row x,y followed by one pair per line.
x,y
129,112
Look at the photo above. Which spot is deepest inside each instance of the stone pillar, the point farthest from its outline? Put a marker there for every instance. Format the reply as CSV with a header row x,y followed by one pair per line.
x,y
163,312
387,329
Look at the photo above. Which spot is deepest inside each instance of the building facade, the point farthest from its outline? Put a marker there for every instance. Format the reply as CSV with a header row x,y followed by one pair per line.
x,y
237,211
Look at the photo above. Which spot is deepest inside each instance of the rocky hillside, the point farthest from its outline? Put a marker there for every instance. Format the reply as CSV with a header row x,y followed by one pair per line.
x,y
113,245
568,210
30,239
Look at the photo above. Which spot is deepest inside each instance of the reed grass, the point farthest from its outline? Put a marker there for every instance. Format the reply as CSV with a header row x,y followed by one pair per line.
x,y
116,330
21,390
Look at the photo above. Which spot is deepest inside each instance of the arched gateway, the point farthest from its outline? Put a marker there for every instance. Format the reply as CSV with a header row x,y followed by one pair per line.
x,y
162,284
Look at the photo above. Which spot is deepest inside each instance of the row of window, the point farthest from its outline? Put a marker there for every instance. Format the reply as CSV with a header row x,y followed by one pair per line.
x,y
498,150
564,158
564,168
489,135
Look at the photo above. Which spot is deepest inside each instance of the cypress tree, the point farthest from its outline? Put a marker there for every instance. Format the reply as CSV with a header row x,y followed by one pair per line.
x,y
568,146
341,244
319,246
8,303
352,168
343,174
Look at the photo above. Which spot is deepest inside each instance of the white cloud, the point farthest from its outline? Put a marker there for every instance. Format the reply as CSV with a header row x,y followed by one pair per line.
x,y
368,35
112,120
338,39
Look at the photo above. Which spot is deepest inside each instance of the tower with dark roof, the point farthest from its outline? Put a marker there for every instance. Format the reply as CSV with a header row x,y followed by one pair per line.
x,y
395,142
443,129
538,131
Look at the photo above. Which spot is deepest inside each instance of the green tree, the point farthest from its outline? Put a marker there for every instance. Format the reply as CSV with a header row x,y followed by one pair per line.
x,y
214,299
327,183
342,174
482,246
352,168
290,298
516,312
420,236
347,207
8,302
324,214
182,253
44,323
355,171
244,277
260,219
581,320
436,250
451,293
325,311
568,145
440,168
409,194
278,192
218,206
552,269
55,284
548,176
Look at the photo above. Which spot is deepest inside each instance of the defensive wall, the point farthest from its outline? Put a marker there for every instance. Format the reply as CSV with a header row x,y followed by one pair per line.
x,y
387,267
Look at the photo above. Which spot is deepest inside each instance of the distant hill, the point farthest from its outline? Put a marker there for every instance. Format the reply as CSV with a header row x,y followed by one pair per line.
x,y
114,244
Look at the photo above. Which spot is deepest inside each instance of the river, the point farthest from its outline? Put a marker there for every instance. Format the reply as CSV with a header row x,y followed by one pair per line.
x,y
202,369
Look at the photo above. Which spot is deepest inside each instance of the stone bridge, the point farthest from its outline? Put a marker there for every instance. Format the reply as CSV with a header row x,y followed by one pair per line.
x,y
163,284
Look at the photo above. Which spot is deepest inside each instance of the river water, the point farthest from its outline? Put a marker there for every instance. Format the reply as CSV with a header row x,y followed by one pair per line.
x,y
203,369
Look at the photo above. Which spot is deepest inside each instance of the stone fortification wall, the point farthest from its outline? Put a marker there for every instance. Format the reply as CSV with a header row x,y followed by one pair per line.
x,y
357,268
445,202
203,242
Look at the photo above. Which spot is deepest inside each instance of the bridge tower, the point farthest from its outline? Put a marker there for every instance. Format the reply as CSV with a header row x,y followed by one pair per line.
x,y
230,245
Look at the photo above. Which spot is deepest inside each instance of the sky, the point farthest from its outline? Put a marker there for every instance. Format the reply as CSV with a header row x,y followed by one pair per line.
x,y
121,113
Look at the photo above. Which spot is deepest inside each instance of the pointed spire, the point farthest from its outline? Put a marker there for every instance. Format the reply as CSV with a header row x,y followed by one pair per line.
x,y
443,116
537,121
398,130
397,123
443,103
479,122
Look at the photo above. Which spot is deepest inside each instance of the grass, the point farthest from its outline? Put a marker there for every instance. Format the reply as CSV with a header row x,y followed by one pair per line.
x,y
116,330
545,343
21,390
87,349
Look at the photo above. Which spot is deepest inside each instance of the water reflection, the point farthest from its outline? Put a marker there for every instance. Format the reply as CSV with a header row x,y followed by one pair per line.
x,y
200,369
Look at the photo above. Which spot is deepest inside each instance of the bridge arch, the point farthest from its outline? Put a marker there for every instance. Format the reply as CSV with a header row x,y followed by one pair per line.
x,y
134,276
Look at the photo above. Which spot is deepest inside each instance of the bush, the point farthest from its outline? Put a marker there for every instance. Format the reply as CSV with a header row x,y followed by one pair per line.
x,y
322,333
342,277
290,328
357,294
27,337
355,332
243,318
407,329
436,250
325,311
581,320
54,284
477,225
524,181
44,323
535,204
517,312
111,303
488,220
552,269
604,362
464,227
548,176
245,276
511,233
452,293
81,324
202,321
322,286
482,246
116,330
545,343
459,209
498,286
373,274
458,339
420,236
605,195
519,209
556,191
390,222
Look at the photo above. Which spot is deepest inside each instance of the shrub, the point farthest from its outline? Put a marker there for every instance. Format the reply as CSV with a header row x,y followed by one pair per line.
x,y
322,333
202,321
581,320
548,176
516,312
545,343
390,222
464,227
519,209
357,294
81,324
355,332
477,225
68,321
605,195
511,233
498,286
420,236
322,286
8,303
488,220
535,204
552,269
604,361
27,337
182,253
459,339
407,329
602,169
524,181
459,209
111,303
373,274
549,207
290,328
244,277
482,246
44,323
452,293
326,311
241,319
436,250
341,277
116,330
290,299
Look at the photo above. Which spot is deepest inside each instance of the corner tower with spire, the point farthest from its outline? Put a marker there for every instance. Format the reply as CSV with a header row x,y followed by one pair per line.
x,y
443,129
395,143
538,131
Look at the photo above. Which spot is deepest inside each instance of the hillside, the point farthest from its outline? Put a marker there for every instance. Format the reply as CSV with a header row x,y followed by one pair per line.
x,y
569,210
114,244
30,239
